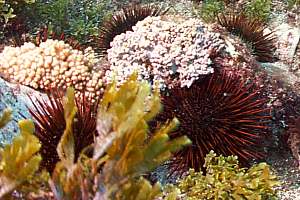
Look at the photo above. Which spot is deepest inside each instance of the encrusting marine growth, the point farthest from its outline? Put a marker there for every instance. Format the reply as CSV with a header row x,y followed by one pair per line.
x,y
225,179
173,51
219,113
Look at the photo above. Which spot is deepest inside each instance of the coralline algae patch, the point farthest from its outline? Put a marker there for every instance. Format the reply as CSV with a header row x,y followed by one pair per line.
x,y
52,64
160,49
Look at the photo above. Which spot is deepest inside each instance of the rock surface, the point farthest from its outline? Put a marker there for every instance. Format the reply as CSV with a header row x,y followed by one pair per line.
x,y
14,96
288,39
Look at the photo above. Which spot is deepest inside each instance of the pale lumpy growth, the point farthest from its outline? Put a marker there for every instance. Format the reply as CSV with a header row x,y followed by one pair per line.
x,y
171,52
53,63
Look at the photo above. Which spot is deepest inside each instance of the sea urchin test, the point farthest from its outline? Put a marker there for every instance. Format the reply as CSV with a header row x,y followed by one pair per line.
x,y
51,64
174,52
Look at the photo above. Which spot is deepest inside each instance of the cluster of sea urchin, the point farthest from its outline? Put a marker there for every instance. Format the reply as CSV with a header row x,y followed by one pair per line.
x,y
124,21
50,124
219,113
253,33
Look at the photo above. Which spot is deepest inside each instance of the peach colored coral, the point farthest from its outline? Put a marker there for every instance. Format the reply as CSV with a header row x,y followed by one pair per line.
x,y
53,63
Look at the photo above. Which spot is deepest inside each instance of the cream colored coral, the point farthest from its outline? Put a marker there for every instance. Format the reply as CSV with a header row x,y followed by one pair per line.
x,y
53,63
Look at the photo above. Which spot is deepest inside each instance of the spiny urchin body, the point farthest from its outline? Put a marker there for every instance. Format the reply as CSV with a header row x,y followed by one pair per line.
x,y
219,113
50,124
14,31
19,37
44,34
253,33
124,21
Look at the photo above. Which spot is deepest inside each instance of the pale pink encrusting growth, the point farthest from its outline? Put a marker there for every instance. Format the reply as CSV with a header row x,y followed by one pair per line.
x,y
172,52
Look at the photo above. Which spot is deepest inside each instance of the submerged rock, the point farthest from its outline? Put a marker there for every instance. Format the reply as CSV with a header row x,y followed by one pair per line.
x,y
279,71
15,97
288,39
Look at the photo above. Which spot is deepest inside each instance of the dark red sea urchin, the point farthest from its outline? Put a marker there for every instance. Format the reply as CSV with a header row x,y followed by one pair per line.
x,y
44,34
219,113
252,31
124,21
41,36
50,125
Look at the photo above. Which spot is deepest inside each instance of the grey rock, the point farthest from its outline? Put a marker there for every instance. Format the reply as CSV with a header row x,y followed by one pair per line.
x,y
15,97
288,39
280,71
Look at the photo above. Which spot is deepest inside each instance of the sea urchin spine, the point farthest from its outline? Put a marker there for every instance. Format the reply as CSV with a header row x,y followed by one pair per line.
x,y
252,32
44,34
50,124
124,21
219,113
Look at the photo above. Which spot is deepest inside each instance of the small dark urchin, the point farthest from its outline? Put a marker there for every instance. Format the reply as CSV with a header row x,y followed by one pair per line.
x,y
124,21
44,34
218,113
252,31
50,124
13,31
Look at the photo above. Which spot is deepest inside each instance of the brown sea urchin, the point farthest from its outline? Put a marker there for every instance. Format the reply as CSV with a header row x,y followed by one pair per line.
x,y
50,124
219,113
253,33
124,21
